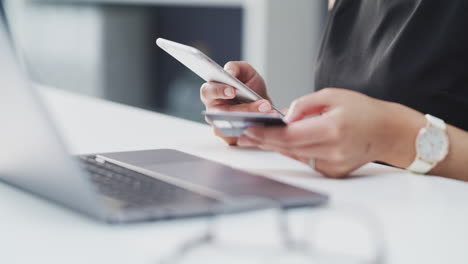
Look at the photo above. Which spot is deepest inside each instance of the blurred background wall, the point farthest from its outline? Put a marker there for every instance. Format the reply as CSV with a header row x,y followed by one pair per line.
x,y
107,48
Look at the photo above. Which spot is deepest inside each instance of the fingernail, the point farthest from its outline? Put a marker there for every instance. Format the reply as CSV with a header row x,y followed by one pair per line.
x,y
245,142
287,118
265,107
230,71
229,92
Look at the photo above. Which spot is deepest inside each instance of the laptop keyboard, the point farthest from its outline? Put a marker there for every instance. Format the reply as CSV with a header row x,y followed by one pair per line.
x,y
133,188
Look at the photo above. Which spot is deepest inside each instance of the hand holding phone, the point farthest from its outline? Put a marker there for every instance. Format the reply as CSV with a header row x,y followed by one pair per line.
x,y
215,76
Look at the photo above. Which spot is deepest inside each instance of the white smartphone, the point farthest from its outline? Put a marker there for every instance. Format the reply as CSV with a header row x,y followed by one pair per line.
x,y
207,69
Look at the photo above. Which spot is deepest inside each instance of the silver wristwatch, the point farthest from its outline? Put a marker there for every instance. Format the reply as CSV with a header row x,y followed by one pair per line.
x,y
432,145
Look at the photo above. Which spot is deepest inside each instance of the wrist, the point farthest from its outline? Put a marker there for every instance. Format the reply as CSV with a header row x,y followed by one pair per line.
x,y
400,126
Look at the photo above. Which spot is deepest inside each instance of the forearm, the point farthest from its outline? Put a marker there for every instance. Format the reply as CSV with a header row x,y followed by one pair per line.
x,y
401,127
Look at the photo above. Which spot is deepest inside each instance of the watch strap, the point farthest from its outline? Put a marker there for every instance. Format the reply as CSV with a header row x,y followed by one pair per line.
x,y
420,166
436,122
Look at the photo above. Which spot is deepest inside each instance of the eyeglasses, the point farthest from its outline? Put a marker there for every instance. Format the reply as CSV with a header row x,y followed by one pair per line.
x,y
331,234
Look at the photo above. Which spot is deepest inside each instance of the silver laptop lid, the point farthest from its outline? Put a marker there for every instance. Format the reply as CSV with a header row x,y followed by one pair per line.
x,y
32,156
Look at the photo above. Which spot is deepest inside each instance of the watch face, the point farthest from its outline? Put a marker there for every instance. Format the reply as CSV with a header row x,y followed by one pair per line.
x,y
432,144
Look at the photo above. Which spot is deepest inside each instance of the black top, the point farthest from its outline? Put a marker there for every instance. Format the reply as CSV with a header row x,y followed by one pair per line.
x,y
414,52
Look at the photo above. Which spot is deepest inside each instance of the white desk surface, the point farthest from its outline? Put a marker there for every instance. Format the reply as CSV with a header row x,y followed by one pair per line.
x,y
425,218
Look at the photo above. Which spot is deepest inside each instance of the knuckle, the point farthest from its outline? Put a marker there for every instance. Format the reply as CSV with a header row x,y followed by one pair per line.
x,y
333,132
239,63
298,103
219,91
340,121
235,65
336,129
327,92
204,91
230,63
246,65
338,154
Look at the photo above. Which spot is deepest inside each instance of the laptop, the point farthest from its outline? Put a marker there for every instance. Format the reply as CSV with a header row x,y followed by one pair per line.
x,y
120,187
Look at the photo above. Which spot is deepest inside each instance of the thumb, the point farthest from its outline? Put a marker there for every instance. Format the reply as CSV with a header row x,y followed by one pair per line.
x,y
308,105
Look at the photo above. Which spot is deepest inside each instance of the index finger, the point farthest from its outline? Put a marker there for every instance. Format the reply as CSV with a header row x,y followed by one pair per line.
x,y
241,70
212,91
